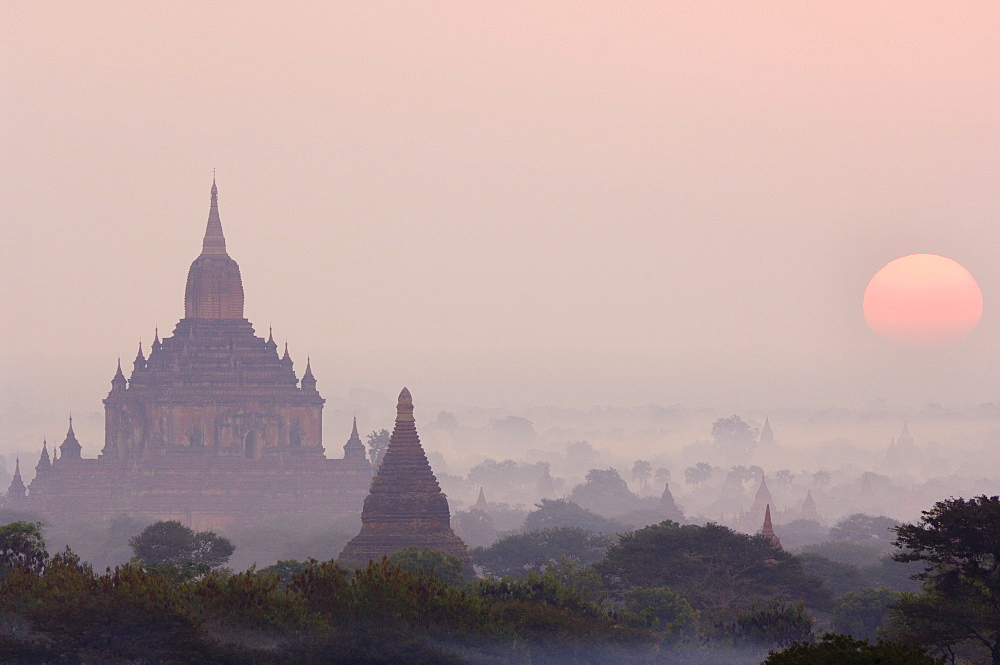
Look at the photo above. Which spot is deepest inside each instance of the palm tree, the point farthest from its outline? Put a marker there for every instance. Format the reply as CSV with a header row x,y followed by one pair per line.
x,y
641,471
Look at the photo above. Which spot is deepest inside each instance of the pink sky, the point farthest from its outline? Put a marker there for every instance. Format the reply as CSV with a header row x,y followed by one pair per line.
x,y
503,203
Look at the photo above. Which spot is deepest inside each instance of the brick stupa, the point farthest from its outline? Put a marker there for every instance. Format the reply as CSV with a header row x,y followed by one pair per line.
x,y
405,506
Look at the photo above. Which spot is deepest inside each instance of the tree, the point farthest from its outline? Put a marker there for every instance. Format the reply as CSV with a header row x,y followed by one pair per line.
x,y
552,513
773,624
22,546
521,553
378,442
873,530
604,491
477,527
861,613
958,541
172,543
845,650
733,431
712,566
741,474
698,474
784,477
445,567
661,476
663,609
641,471
821,478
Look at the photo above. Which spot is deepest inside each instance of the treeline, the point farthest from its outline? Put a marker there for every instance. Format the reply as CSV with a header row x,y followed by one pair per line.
x,y
666,594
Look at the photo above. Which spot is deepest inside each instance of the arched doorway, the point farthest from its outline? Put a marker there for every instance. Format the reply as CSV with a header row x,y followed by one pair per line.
x,y
252,445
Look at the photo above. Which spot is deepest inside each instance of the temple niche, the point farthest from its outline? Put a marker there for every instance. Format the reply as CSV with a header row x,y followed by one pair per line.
x,y
212,427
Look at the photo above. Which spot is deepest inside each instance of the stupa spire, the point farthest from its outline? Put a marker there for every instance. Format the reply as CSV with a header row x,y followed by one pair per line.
x,y
44,463
405,506
768,529
668,506
355,450
215,242
17,491
481,501
70,447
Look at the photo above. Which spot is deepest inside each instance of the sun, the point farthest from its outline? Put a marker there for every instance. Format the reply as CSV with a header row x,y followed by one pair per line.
x,y
923,300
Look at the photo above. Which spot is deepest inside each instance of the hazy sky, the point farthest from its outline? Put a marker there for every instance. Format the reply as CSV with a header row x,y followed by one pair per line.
x,y
498,203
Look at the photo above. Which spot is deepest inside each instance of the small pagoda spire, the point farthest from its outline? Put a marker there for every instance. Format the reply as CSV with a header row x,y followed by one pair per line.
x,y
44,463
668,506
809,511
766,438
17,491
405,506
215,242
270,335
118,380
354,450
286,356
156,340
70,447
904,441
768,529
481,501
140,360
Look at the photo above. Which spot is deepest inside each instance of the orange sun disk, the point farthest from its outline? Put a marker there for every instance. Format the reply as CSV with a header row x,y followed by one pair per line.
x,y
923,300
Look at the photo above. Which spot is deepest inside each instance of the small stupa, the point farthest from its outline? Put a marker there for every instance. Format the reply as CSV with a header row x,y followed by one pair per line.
x,y
481,502
768,529
405,506
809,511
766,437
761,499
17,492
669,507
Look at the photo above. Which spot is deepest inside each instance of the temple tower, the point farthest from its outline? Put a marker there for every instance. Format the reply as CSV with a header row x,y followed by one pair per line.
x,y
70,448
213,387
809,511
214,286
481,501
353,449
761,500
405,506
17,492
766,438
768,529
668,507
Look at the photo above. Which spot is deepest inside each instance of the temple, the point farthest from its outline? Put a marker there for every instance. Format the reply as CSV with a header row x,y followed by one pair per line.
x,y
212,427
405,506
768,529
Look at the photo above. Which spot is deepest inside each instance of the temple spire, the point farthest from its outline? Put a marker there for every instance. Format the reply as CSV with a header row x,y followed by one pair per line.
x,y
405,506
354,450
215,242
768,529
17,491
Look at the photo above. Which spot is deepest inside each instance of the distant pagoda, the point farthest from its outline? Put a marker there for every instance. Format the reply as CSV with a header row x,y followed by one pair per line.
x,y
405,506
768,529
668,507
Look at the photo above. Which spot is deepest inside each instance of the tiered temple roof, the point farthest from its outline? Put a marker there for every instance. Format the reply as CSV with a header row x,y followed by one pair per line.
x,y
405,506
212,426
